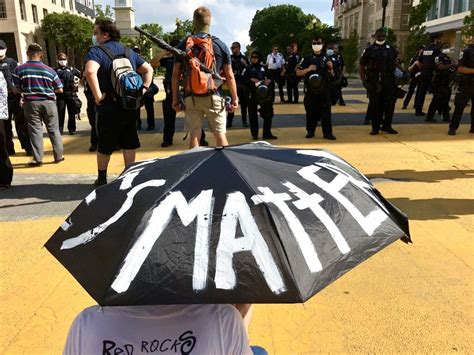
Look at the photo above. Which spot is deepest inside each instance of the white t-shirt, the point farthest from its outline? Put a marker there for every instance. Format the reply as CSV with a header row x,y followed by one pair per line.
x,y
169,329
275,61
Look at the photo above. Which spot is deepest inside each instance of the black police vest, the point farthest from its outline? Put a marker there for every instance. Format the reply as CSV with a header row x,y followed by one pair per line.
x,y
67,77
467,60
428,55
381,61
7,66
292,62
443,77
237,66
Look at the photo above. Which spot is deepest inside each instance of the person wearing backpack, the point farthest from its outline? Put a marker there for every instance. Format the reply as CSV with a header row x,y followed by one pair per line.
x,y
70,78
203,82
118,78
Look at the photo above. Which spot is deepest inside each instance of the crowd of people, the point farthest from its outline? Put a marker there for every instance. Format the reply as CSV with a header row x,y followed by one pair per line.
x,y
207,85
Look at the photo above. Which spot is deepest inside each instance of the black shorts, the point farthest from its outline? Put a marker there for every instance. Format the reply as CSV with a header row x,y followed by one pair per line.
x,y
117,128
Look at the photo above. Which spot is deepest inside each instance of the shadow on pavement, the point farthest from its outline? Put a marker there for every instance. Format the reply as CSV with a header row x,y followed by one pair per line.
x,y
45,193
435,208
424,176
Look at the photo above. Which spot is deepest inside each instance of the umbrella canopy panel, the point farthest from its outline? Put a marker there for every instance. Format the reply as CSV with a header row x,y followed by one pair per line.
x,y
250,223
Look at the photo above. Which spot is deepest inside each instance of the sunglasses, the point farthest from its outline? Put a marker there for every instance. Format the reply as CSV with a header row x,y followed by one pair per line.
x,y
317,42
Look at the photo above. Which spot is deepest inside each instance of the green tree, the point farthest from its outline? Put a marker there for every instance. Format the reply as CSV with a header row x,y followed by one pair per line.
x,y
71,33
351,52
147,47
278,25
391,37
468,28
104,12
183,29
418,35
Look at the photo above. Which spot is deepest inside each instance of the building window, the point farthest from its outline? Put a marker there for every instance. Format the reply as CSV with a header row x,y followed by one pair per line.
x,y
3,9
22,10
63,3
34,10
45,13
445,8
71,6
405,19
53,1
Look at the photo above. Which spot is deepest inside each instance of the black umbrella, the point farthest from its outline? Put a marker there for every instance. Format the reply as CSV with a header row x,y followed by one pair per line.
x,y
246,224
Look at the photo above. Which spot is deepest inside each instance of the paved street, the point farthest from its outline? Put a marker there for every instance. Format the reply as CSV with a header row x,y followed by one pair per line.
x,y
407,298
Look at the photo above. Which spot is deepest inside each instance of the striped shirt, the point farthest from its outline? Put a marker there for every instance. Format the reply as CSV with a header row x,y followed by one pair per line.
x,y
37,81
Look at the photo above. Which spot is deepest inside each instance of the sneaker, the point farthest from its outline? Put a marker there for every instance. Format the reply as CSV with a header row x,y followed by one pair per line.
x,y
342,103
374,132
420,114
100,181
330,137
34,163
166,144
309,135
389,130
430,120
92,148
72,133
452,132
59,160
204,143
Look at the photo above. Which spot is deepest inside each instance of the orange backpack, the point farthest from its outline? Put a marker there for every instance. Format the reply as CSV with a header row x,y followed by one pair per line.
x,y
197,81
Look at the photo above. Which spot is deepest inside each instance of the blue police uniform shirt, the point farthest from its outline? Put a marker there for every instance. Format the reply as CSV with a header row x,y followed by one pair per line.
x,y
320,60
104,73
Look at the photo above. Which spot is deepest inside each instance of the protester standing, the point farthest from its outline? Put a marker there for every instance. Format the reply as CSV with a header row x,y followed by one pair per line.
x,y
149,103
6,169
376,71
70,78
15,112
90,115
39,85
211,104
276,68
116,126
316,68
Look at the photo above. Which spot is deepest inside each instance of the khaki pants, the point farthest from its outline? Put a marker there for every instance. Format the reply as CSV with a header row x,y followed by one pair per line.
x,y
212,107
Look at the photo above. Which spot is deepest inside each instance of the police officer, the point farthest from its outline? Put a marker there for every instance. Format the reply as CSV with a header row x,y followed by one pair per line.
x,y
376,70
239,63
292,80
428,67
7,66
70,77
258,84
466,89
338,64
316,68
445,67
414,69
276,69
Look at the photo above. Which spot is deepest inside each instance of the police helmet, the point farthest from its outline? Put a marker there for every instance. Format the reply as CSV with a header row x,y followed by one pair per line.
x,y
315,82
262,93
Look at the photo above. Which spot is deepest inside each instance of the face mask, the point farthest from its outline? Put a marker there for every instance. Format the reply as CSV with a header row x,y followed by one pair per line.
x,y
2,53
380,42
62,62
446,51
94,40
330,52
317,47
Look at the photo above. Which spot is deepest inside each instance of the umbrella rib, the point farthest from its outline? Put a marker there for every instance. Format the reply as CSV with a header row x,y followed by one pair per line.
x,y
272,221
163,194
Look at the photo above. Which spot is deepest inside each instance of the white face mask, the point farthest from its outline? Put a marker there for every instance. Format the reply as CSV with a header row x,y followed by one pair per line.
x,y
62,63
3,52
317,47
380,43
329,52
446,51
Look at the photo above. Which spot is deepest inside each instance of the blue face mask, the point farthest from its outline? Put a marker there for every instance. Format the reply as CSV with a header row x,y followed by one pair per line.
x,y
94,41
329,52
